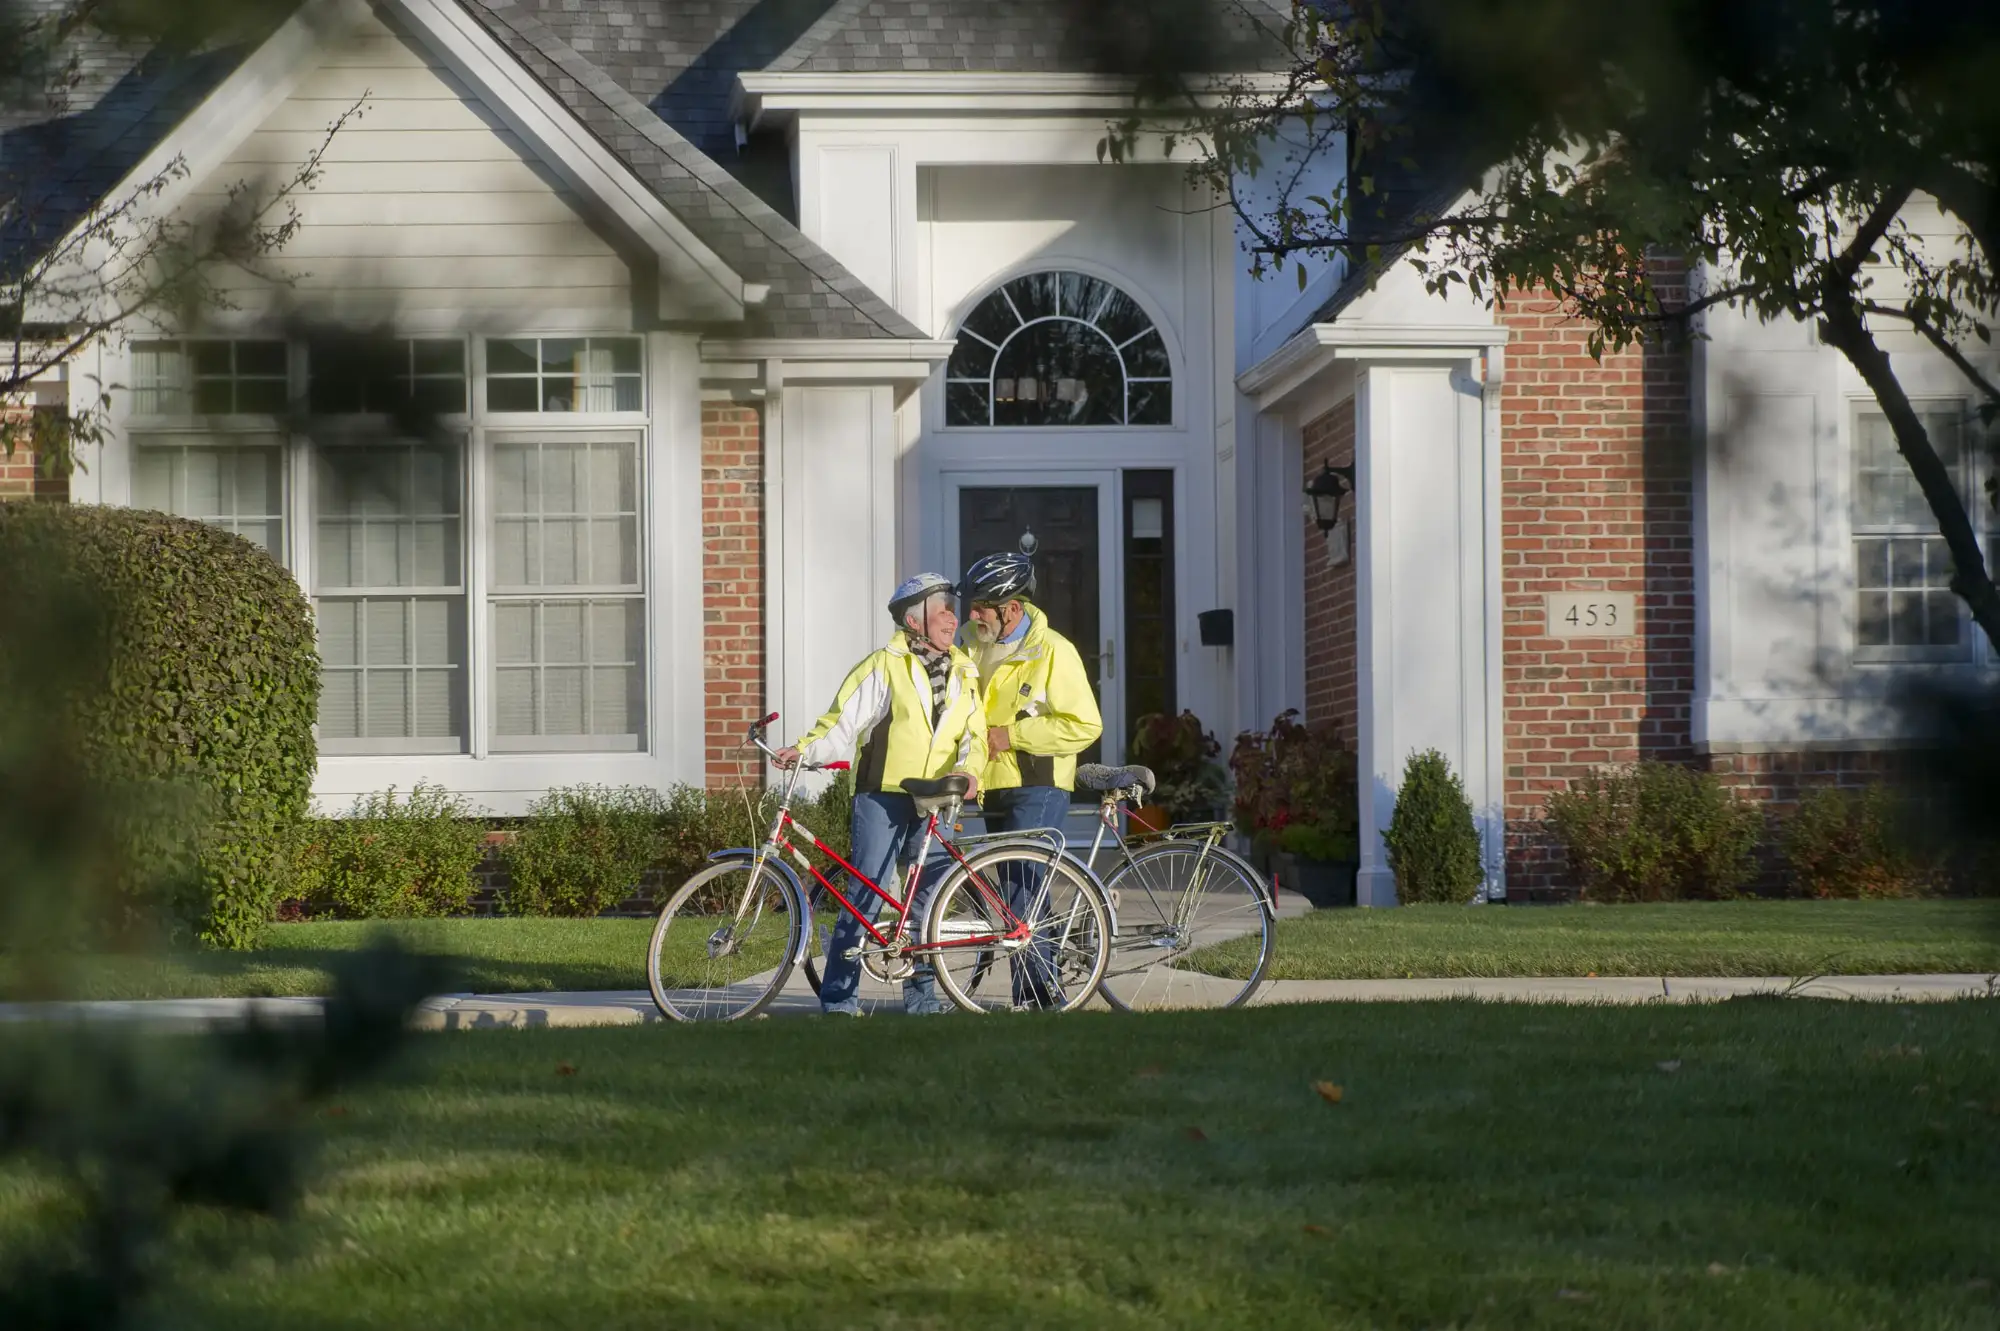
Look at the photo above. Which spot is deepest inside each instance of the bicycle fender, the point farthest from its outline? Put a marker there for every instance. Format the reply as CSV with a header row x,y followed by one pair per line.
x,y
800,896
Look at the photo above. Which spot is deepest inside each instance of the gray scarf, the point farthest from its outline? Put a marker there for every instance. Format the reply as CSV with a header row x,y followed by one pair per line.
x,y
937,664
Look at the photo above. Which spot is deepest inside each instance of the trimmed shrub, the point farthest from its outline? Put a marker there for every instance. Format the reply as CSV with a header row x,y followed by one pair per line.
x,y
1655,832
1433,845
212,688
1852,843
392,860
583,850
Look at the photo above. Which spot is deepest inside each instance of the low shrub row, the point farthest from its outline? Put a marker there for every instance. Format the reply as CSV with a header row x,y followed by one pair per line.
x,y
1662,832
580,851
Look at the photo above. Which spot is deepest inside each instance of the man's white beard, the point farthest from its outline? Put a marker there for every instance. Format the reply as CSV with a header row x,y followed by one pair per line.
x,y
985,632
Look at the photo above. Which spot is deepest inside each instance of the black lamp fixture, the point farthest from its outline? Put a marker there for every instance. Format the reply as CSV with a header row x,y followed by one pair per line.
x,y
1324,492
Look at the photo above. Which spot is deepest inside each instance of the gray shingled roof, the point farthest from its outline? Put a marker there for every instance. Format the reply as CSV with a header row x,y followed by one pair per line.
x,y
1027,36
812,295
68,137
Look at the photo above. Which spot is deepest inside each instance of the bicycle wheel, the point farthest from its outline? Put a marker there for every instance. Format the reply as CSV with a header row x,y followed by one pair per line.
x,y
723,948
1195,929
1058,967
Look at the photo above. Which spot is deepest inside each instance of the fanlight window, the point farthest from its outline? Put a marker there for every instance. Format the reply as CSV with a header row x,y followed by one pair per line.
x,y
1059,349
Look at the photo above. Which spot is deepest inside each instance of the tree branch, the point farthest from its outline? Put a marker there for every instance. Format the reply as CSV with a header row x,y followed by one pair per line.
x,y
1944,345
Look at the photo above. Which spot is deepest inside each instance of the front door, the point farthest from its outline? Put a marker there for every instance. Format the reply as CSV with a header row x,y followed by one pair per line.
x,y
1068,530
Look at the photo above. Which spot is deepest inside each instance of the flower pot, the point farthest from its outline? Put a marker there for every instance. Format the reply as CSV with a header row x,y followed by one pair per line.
x,y
1325,884
1150,818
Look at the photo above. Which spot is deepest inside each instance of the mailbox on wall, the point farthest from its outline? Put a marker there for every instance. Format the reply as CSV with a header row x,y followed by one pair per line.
x,y
1218,628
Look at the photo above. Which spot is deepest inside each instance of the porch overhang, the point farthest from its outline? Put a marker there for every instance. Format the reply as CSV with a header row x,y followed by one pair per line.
x,y
1281,380
759,367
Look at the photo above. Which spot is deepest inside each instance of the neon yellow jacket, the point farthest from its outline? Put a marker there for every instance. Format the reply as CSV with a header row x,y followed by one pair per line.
x,y
881,721
1041,694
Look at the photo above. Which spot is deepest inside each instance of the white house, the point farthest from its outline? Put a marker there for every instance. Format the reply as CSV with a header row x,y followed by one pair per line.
x,y
737,313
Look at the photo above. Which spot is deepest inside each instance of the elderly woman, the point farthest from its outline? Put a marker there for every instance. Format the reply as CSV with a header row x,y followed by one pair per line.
x,y
909,711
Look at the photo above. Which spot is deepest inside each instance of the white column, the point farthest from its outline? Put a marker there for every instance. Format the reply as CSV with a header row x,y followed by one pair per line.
x,y
1270,628
830,546
675,559
1427,600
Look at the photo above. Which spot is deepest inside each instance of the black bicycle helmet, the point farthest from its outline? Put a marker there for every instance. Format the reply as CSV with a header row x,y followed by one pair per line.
x,y
1002,577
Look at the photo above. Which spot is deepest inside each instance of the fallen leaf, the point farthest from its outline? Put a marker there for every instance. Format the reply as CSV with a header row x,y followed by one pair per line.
x,y
1195,1134
1329,1091
336,1111
565,1069
1717,1269
1590,975
1318,1229
1671,1065
1574,1295
1150,1071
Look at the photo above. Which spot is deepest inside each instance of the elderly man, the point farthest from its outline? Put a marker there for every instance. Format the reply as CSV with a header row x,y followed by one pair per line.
x,y
1040,714
912,711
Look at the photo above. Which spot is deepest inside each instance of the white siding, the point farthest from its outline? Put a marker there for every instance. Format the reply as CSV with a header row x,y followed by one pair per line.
x,y
427,207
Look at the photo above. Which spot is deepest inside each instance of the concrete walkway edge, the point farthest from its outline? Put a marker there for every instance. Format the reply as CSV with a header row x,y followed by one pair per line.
x,y
457,1012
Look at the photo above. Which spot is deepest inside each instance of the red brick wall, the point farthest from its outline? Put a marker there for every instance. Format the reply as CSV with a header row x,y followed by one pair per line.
x,y
1332,691
1596,495
732,520
20,478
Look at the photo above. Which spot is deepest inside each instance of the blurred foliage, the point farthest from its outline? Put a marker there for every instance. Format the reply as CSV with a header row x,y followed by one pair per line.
x,y
139,1131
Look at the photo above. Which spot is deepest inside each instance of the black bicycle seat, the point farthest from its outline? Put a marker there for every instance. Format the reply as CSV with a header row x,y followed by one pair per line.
x,y
956,786
1096,776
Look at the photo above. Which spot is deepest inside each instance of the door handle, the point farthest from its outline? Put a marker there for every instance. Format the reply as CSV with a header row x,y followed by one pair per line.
x,y
1107,663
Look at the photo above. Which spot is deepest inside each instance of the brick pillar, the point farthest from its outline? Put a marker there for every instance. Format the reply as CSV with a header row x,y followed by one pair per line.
x,y
1332,692
732,519
20,477
1597,495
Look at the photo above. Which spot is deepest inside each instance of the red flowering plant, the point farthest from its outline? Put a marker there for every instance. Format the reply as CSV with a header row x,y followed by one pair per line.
x,y
1296,789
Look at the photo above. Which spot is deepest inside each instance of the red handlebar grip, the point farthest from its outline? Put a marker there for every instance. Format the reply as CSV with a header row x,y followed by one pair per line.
x,y
769,719
836,767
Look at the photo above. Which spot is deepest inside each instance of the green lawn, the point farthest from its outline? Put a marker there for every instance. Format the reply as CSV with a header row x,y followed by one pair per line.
x,y
1719,938
1749,1164
1686,938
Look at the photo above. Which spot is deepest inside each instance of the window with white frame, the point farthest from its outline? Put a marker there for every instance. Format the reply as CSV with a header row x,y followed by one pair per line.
x,y
1904,606
564,374
380,524
210,377
237,485
567,594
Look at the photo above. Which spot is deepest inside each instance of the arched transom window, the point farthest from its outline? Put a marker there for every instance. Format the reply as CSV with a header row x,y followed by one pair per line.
x,y
1059,349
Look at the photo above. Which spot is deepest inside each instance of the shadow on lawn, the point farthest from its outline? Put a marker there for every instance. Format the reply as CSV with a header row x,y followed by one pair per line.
x,y
241,972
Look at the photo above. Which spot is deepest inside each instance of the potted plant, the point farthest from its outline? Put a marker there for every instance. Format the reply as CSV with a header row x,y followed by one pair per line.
x,y
1191,786
1297,801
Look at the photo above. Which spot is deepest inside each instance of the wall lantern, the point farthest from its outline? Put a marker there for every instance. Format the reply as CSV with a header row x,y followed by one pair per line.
x,y
1323,495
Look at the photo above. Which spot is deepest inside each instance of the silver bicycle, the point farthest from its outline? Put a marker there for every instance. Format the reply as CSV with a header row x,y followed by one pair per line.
x,y
1195,924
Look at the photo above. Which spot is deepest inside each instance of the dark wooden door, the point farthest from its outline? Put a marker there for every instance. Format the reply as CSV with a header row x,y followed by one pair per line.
x,y
1056,526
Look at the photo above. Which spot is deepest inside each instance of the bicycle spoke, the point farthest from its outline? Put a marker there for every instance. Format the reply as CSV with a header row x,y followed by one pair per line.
x,y
723,945
1193,930
1059,961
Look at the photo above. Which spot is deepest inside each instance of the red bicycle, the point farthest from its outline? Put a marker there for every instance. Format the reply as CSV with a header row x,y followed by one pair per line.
x,y
729,939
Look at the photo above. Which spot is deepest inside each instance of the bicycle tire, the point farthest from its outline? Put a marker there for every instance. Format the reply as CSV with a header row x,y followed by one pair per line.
x,y
1158,929
1067,960
683,972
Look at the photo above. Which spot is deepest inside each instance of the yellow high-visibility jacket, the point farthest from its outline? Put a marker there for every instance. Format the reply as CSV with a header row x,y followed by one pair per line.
x,y
1041,694
881,721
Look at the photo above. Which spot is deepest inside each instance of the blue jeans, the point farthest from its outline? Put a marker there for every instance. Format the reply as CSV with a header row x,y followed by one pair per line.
x,y
883,825
1025,809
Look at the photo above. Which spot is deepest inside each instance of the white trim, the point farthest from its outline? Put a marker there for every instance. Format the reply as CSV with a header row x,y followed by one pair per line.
x,y
758,95
1289,369
830,349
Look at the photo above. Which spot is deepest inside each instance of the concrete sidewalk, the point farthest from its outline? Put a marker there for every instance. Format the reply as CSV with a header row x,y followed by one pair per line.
x,y
458,1012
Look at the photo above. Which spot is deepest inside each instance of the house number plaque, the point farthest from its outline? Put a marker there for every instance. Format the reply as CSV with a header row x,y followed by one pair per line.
x,y
1592,615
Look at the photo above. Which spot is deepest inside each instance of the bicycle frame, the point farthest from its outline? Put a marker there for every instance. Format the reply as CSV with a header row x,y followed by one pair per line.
x,y
778,842
1208,834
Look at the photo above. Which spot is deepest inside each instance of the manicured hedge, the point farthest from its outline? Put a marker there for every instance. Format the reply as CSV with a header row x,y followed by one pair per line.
x,y
211,689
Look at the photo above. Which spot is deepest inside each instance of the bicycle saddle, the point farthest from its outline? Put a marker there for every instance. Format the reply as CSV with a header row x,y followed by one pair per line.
x,y
954,787
1096,776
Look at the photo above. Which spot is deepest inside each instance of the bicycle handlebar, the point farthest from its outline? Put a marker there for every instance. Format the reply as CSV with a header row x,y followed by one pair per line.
x,y
756,740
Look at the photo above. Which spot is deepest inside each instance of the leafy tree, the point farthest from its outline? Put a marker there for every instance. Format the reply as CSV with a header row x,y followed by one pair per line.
x,y
74,267
1781,144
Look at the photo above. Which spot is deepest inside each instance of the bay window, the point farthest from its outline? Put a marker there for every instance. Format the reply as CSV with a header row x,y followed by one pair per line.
x,y
475,561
